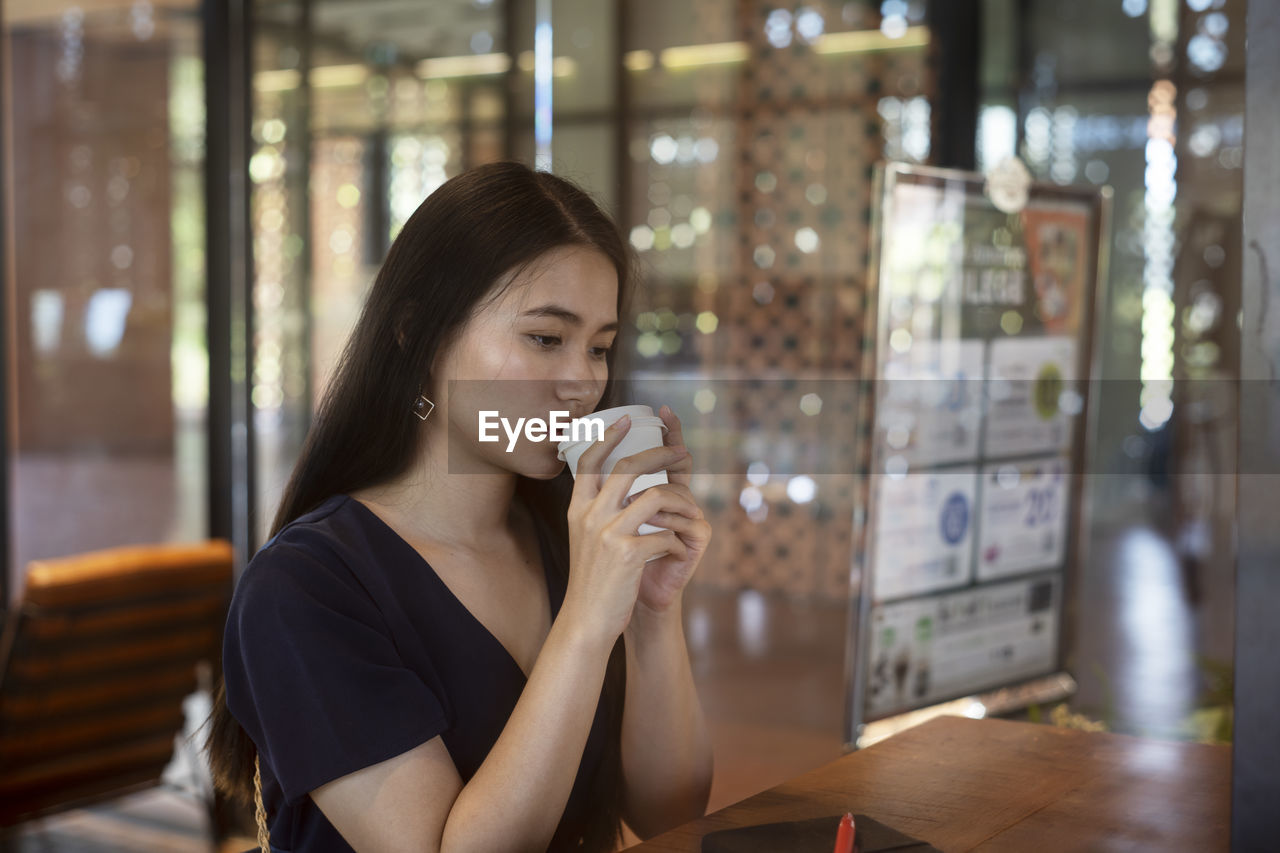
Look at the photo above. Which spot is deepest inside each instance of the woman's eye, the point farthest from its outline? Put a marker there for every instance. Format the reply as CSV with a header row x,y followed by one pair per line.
x,y
549,341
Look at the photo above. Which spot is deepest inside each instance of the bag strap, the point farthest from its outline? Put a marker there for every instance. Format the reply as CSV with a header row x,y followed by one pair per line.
x,y
260,813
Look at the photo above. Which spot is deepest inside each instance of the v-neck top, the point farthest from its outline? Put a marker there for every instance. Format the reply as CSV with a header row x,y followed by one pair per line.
x,y
344,648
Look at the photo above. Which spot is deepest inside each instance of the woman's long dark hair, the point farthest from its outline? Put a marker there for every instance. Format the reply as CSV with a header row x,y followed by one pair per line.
x,y
444,263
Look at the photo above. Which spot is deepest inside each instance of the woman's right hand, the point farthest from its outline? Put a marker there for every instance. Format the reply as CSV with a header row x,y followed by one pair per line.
x,y
606,555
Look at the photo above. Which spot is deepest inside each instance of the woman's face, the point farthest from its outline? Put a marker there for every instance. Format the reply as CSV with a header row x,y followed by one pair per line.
x,y
539,347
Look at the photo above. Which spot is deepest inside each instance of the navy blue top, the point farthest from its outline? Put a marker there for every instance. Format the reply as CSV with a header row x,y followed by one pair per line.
x,y
344,648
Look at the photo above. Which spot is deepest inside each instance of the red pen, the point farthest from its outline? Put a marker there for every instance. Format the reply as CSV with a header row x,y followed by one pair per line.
x,y
845,834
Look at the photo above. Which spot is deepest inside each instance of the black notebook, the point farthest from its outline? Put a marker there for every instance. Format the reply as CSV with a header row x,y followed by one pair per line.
x,y
817,835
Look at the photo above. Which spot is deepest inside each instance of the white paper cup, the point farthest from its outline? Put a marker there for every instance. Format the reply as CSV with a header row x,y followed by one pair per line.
x,y
645,432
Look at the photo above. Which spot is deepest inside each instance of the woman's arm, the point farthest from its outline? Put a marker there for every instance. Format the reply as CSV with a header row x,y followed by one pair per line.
x,y
666,752
515,799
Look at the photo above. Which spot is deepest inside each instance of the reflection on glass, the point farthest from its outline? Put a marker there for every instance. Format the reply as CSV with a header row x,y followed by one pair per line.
x,y
738,169
105,110
395,102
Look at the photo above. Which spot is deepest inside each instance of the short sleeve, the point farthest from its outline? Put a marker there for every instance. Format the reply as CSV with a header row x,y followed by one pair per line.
x,y
313,674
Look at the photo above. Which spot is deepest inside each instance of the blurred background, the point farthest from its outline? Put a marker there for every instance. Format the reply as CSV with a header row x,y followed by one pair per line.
x,y
162,364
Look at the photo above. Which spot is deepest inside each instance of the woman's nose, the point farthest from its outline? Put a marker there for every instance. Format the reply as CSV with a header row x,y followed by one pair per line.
x,y
581,388
586,368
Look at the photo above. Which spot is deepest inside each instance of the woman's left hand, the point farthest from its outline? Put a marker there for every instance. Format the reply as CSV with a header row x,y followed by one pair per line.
x,y
664,578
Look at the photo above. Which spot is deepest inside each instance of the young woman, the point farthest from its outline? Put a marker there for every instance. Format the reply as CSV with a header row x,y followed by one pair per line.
x,y
446,645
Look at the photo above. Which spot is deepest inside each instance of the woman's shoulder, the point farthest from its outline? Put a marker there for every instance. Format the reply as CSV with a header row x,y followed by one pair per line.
x,y
319,524
318,549
313,580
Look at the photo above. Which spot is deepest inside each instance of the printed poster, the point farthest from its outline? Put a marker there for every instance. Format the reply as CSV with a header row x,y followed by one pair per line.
x,y
1032,400
937,648
930,405
1023,517
924,531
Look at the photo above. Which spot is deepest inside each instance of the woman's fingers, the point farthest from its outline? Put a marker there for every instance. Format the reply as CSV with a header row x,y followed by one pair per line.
x,y
653,500
675,522
615,487
675,495
681,471
662,542
682,490
671,457
675,434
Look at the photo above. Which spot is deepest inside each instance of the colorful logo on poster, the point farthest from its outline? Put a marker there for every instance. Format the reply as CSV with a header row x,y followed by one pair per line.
x,y
1056,244
954,520
1048,388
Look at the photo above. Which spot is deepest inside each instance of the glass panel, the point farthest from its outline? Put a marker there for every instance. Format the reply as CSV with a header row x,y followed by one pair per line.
x,y
743,185
1089,41
584,152
279,210
704,52
752,132
584,70
105,113
396,98
1146,97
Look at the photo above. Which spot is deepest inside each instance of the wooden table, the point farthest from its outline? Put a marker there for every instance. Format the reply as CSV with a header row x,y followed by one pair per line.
x,y
990,785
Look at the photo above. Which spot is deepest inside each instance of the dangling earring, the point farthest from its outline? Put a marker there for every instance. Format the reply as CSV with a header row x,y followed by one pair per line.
x,y
422,407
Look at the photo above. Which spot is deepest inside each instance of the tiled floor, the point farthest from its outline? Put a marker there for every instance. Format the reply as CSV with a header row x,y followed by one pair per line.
x,y
770,673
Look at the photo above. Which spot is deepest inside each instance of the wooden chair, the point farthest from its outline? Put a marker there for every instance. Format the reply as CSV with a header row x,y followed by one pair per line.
x,y
95,662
